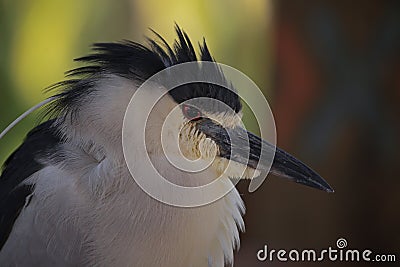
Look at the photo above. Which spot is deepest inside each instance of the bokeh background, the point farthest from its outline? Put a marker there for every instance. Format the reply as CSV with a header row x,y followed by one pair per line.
x,y
330,69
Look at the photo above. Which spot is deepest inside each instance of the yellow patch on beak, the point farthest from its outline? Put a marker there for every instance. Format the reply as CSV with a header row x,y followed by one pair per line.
x,y
195,145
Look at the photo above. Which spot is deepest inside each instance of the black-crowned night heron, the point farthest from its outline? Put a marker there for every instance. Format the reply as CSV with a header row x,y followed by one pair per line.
x,y
68,198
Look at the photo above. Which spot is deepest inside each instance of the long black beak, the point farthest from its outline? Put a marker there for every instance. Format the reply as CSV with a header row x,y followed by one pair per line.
x,y
244,147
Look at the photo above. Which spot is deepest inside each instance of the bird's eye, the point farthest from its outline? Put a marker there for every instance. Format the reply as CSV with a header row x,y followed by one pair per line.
x,y
191,112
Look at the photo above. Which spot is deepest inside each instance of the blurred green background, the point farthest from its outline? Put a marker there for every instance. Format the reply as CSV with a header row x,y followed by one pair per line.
x,y
330,70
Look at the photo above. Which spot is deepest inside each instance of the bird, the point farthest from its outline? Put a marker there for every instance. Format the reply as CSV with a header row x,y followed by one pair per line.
x,y
67,197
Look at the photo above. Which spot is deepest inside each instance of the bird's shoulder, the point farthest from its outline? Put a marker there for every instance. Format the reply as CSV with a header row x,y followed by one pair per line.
x,y
20,165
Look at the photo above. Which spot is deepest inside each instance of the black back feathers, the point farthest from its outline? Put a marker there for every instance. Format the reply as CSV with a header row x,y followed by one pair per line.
x,y
14,194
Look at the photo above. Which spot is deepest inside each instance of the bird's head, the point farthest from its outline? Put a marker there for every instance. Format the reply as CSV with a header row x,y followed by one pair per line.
x,y
206,130
199,122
